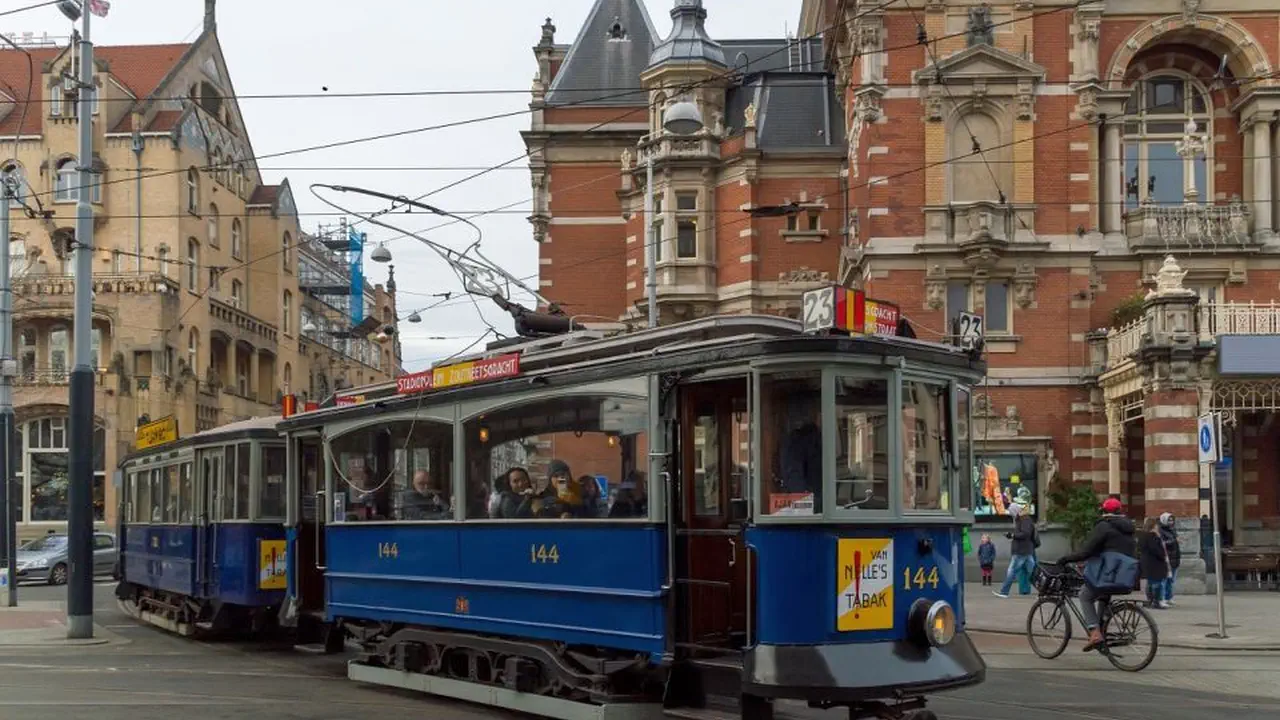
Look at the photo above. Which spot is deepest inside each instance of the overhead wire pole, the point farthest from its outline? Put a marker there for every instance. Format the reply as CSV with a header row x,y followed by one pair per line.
x,y
8,369
80,495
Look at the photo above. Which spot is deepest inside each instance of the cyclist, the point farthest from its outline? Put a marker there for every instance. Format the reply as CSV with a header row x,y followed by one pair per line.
x,y
1111,565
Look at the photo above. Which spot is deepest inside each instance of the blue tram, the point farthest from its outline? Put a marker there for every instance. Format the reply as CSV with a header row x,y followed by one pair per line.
x,y
600,525
202,530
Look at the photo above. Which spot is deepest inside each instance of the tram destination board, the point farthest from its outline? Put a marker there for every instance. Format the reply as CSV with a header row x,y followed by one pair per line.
x,y
843,310
464,373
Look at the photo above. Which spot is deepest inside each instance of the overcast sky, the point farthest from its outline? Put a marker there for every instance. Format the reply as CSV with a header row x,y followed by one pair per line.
x,y
302,46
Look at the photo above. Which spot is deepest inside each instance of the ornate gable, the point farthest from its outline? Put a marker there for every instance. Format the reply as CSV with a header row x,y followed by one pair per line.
x,y
977,73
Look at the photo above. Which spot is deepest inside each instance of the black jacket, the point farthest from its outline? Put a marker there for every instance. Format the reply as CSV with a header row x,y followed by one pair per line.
x,y
1023,536
1155,565
1171,546
1113,533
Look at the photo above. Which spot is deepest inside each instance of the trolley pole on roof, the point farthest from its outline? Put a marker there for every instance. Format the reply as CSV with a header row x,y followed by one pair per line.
x,y
80,494
8,369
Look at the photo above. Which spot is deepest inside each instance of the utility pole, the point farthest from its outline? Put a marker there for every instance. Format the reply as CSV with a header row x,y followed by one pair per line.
x,y
8,369
80,495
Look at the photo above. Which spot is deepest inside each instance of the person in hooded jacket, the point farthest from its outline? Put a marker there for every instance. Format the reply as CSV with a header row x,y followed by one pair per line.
x,y
1155,563
1169,534
1114,533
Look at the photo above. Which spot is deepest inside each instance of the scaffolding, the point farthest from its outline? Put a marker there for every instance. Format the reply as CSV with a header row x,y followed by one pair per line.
x,y
330,270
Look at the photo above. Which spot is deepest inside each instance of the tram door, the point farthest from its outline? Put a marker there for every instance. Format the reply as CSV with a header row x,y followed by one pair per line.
x,y
310,541
209,464
713,454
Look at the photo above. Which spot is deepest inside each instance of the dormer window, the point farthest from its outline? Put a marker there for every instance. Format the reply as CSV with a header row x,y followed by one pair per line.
x,y
616,31
55,101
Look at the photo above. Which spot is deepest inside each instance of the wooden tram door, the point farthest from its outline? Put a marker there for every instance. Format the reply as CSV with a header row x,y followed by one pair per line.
x,y
713,461
310,549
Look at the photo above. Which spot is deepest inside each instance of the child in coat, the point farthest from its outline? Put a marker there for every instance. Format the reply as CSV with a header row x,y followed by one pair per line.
x,y
1155,563
987,558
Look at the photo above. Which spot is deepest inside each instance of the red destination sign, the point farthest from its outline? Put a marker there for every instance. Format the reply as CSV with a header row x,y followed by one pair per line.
x,y
466,373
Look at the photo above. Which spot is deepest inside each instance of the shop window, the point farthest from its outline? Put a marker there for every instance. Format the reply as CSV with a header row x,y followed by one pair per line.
x,y
42,474
862,443
1003,479
791,453
572,457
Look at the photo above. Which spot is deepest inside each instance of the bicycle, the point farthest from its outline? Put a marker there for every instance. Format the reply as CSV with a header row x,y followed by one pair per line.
x,y
1121,621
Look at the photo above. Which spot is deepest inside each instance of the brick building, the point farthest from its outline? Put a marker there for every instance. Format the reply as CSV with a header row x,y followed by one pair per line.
x,y
1033,162
196,312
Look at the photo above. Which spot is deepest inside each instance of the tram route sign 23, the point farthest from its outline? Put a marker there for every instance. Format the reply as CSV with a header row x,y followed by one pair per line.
x,y
843,310
864,584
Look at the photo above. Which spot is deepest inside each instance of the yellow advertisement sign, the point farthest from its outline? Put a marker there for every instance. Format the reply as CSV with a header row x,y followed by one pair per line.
x,y
864,584
159,432
272,565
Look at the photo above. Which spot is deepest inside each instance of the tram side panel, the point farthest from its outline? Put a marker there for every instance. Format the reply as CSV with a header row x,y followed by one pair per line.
x,y
249,564
582,584
162,557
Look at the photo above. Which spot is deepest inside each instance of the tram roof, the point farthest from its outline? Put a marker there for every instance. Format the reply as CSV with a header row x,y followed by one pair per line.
x,y
587,355
259,428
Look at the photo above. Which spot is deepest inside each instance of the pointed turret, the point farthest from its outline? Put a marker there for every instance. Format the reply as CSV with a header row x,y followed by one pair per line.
x,y
688,40
610,52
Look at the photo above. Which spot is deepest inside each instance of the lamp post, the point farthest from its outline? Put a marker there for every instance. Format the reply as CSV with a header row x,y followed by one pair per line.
x,y
1189,147
682,118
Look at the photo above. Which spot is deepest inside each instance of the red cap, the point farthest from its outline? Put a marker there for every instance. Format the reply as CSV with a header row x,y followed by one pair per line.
x,y
1111,505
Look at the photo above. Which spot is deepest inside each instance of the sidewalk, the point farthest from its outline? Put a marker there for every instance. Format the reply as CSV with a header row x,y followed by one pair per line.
x,y
43,624
1251,618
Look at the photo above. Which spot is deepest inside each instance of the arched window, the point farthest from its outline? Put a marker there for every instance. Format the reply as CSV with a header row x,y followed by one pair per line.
x,y
285,249
193,265
17,257
237,293
235,238
162,261
117,262
41,470
1156,119
287,322
288,378
212,221
27,354
193,191
17,181
65,187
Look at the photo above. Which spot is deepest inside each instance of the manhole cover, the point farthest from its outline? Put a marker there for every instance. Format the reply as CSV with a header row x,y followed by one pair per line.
x,y
1212,625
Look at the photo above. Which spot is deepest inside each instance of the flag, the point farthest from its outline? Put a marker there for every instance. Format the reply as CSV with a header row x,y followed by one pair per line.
x,y
99,7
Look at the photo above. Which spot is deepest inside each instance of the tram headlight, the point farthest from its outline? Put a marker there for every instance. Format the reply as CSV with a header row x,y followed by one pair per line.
x,y
940,623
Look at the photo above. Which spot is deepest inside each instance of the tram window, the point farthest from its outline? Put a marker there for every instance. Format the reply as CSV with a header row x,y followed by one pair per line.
x,y
399,470
569,457
968,473
791,451
173,493
925,449
187,500
142,497
226,484
862,443
242,468
156,511
271,495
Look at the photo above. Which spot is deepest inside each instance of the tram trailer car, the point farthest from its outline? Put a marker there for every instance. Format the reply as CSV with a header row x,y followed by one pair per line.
x,y
800,537
202,547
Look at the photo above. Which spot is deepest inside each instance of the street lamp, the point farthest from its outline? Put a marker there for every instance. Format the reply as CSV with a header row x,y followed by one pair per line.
x,y
309,328
71,9
381,254
414,317
682,118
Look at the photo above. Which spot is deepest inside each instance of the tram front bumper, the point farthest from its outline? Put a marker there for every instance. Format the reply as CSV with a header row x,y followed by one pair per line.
x,y
850,672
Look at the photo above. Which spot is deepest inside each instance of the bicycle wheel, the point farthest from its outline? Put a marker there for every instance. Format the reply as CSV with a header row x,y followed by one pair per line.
x,y
1132,637
1049,627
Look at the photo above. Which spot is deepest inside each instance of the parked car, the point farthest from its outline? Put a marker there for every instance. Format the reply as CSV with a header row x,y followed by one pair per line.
x,y
45,559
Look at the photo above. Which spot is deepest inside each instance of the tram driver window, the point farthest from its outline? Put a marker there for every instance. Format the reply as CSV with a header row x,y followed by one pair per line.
x,y
862,443
791,452
398,470
271,493
925,447
570,457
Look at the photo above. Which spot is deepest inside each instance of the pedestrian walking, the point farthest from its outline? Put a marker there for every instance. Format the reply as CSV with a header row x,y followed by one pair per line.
x,y
987,558
1155,563
1169,534
1022,548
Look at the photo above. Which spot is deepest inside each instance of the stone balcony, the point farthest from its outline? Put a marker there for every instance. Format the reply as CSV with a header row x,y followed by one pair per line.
x,y
238,324
1152,228
978,225
668,147
1213,320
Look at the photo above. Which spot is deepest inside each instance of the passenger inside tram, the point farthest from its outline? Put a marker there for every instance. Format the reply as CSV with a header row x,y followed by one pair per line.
x,y
425,500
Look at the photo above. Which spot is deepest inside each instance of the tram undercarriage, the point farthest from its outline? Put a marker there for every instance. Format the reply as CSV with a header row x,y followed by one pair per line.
x,y
191,617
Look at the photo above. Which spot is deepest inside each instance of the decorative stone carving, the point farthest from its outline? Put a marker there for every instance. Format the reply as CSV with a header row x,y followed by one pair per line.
x,y
626,159
980,30
1190,9
1025,283
1026,101
933,104
803,275
851,254
1048,465
749,116
1087,102
1169,280
935,288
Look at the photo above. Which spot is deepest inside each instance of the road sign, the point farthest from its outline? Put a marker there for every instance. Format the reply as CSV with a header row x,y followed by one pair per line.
x,y
969,330
819,311
1208,438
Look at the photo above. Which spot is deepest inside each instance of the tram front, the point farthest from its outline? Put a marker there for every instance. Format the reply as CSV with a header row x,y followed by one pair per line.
x,y
864,491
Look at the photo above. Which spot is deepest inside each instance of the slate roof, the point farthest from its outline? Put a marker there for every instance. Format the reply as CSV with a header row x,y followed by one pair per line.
x,y
140,68
264,195
688,40
600,59
794,110
753,56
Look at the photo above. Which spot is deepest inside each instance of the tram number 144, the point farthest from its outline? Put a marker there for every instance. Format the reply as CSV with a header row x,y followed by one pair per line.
x,y
919,579
541,554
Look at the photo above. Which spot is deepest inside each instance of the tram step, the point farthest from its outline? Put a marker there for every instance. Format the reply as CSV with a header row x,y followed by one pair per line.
x,y
311,648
